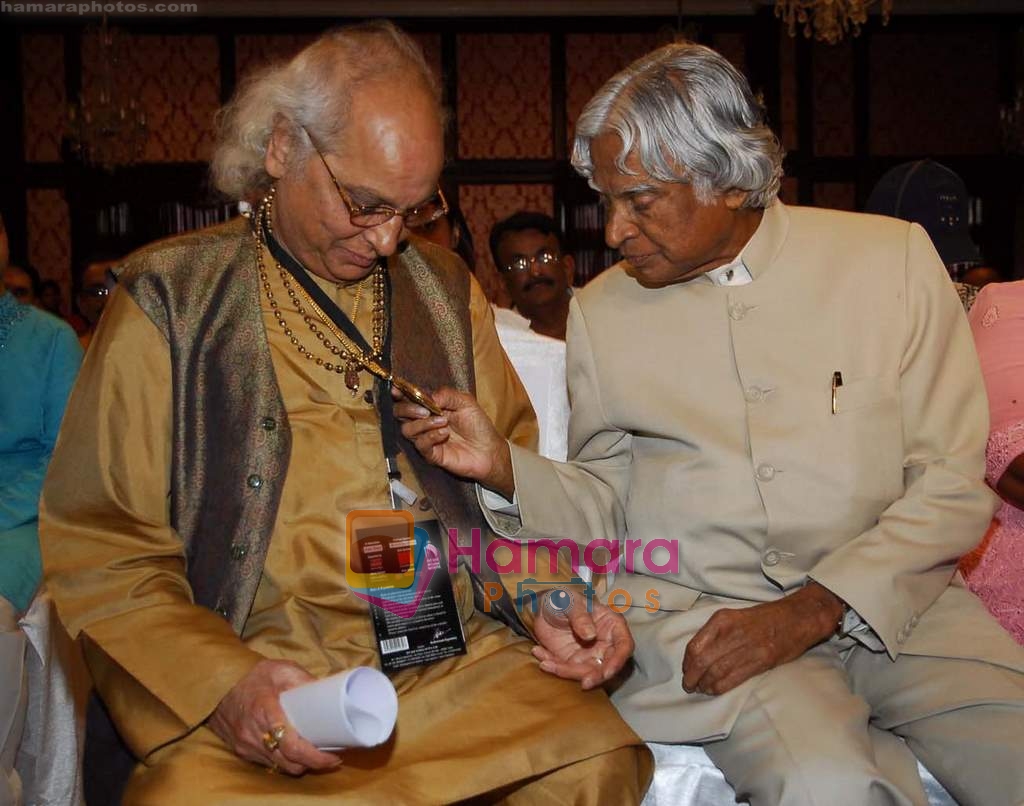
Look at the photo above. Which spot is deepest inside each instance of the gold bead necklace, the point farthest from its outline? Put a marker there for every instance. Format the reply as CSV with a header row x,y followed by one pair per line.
x,y
352,358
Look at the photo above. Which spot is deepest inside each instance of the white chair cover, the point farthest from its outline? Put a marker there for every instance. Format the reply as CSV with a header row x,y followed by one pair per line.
x,y
50,757
685,776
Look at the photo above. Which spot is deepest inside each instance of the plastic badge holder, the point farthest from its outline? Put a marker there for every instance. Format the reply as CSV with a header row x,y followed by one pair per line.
x,y
355,708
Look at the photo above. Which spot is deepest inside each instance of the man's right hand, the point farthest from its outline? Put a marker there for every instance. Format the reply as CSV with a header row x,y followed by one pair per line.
x,y
251,710
463,440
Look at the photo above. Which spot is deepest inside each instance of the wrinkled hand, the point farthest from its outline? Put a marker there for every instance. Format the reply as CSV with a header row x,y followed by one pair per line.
x,y
251,709
589,647
463,441
736,645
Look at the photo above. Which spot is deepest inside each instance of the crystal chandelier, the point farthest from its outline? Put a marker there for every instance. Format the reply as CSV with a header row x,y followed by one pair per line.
x,y
828,20
105,129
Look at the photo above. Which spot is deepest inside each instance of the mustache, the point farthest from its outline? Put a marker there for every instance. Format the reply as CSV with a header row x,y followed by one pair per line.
x,y
535,281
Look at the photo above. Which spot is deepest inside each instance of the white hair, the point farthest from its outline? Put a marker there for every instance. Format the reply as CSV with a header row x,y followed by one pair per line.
x,y
689,115
312,92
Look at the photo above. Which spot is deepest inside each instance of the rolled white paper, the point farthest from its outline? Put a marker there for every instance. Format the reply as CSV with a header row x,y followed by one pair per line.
x,y
355,708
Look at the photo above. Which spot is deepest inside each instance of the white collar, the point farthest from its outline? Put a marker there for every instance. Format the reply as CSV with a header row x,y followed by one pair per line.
x,y
733,273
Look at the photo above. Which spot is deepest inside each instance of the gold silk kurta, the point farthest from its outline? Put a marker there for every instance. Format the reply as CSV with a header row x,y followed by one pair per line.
x,y
469,725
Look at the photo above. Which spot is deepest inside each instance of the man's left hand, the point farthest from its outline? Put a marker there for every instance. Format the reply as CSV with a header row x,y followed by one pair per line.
x,y
736,645
591,647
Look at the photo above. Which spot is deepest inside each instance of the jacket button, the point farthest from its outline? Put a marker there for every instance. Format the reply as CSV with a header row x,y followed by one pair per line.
x,y
424,503
765,472
268,423
238,551
772,557
368,396
754,394
254,481
737,311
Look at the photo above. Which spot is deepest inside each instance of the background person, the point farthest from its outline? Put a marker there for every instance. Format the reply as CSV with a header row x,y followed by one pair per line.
x,y
528,250
39,358
22,283
95,286
995,570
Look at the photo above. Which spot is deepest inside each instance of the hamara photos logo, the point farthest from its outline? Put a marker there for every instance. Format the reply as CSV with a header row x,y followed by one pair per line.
x,y
391,562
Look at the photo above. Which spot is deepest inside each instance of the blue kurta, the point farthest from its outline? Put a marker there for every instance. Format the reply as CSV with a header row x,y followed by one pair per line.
x,y
39,358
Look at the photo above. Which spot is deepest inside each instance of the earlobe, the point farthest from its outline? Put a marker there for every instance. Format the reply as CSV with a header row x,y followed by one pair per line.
x,y
735,199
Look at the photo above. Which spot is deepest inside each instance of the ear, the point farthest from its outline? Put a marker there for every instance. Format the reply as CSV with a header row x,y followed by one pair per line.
x,y
734,199
279,150
569,262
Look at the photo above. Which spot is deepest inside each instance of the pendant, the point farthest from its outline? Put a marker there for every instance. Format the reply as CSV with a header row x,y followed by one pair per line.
x,y
352,377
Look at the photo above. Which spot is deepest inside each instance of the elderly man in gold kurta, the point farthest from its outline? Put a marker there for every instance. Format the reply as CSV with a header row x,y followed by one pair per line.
x,y
223,428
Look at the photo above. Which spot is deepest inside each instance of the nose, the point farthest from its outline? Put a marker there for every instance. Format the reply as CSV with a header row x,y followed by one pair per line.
x,y
384,237
536,268
618,227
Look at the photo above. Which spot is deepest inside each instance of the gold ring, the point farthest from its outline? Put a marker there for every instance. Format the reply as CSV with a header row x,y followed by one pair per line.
x,y
272,738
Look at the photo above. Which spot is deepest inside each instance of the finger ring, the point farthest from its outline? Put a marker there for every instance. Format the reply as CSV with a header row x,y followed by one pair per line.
x,y
272,738
599,661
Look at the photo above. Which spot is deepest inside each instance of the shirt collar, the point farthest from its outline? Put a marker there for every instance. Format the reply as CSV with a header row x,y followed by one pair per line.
x,y
733,273
758,254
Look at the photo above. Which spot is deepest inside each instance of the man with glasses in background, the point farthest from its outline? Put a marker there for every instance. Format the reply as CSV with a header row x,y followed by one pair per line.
x,y
98,280
528,251
235,409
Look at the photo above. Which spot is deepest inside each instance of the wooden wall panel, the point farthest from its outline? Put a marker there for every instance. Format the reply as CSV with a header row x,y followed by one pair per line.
x,y
832,87
504,86
835,195
44,95
176,80
934,94
591,59
787,127
49,237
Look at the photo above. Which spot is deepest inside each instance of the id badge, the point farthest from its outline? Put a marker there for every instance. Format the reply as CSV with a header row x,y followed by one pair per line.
x,y
398,566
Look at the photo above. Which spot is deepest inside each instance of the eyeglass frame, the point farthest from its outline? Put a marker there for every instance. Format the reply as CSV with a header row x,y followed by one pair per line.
x,y
537,257
386,210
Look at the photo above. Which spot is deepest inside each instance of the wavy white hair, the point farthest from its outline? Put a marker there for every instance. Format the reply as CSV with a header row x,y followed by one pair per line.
x,y
688,114
313,91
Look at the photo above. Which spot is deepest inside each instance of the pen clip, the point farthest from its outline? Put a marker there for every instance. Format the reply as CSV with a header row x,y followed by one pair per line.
x,y
837,381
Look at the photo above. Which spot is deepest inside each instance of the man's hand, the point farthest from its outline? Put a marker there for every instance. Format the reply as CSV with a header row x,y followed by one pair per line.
x,y
577,645
736,645
251,710
463,441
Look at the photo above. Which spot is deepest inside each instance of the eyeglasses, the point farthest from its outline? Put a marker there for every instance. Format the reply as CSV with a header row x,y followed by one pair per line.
x,y
373,215
523,263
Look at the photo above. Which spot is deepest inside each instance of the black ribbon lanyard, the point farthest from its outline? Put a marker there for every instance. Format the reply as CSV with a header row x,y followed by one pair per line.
x,y
385,404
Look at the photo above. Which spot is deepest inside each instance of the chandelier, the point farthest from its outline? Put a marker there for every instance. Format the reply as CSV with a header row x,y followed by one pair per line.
x,y
828,20
104,128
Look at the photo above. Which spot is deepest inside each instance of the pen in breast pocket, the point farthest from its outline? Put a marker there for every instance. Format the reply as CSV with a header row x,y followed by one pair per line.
x,y
837,381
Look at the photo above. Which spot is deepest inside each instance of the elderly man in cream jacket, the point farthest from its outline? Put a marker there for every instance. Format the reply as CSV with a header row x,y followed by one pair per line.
x,y
779,421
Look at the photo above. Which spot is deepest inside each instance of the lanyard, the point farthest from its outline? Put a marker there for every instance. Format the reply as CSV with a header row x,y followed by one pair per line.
x,y
385,404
